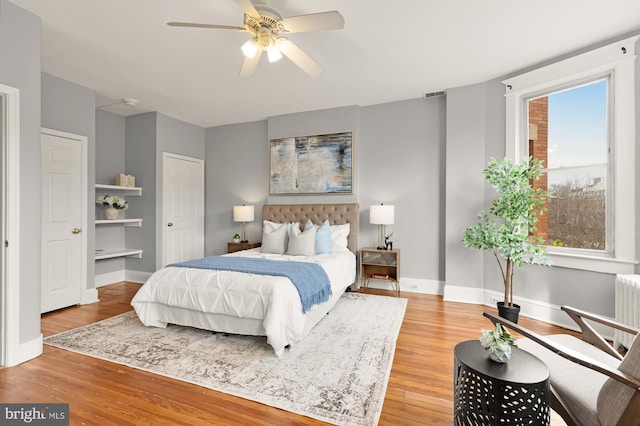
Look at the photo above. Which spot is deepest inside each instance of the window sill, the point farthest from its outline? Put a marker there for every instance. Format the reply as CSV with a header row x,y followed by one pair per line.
x,y
604,265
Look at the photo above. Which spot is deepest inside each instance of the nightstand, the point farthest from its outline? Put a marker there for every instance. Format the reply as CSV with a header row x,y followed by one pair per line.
x,y
231,246
381,265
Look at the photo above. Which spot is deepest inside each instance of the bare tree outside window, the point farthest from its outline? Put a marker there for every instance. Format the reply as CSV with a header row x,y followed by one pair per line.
x,y
568,133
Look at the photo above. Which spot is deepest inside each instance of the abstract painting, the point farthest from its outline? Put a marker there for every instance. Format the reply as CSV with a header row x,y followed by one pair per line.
x,y
318,164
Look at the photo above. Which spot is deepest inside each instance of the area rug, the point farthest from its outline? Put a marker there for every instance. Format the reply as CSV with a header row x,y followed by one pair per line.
x,y
337,374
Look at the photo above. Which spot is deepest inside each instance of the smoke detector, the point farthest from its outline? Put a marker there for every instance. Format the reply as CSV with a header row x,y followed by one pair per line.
x,y
130,102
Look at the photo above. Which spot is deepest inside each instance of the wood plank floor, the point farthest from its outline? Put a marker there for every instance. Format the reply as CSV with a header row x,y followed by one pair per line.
x,y
101,393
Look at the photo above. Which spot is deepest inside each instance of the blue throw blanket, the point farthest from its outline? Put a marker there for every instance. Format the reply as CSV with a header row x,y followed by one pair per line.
x,y
311,281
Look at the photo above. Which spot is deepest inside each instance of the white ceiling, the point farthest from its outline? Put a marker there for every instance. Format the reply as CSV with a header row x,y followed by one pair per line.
x,y
388,50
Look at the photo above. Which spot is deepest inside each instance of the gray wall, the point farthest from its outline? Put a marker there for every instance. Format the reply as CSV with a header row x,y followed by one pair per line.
x,y
110,151
401,161
465,187
147,137
466,107
236,172
176,137
69,107
20,68
398,159
140,161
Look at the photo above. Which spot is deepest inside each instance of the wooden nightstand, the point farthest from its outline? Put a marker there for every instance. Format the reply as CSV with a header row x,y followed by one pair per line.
x,y
382,265
231,246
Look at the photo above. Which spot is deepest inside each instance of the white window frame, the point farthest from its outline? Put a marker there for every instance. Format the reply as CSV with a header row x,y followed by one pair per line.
x,y
618,61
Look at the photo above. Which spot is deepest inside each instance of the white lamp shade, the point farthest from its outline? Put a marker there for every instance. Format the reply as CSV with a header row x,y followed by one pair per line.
x,y
243,213
382,215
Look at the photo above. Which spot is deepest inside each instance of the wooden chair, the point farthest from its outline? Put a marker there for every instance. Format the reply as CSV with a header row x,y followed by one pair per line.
x,y
591,383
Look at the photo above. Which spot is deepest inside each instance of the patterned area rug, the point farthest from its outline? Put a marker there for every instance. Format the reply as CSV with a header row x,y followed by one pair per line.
x,y
338,374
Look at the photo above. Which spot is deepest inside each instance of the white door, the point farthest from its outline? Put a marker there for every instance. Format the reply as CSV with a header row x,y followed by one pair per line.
x,y
183,208
64,253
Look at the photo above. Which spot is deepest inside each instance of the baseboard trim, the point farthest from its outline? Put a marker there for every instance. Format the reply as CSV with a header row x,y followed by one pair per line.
x,y
89,295
26,352
120,276
110,278
137,276
463,294
411,285
534,309
418,285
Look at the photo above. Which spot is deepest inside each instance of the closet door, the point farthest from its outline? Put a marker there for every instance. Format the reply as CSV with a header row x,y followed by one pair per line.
x,y
183,208
64,254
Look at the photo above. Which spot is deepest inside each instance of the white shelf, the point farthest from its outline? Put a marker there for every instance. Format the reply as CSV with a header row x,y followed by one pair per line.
x,y
126,222
131,190
110,254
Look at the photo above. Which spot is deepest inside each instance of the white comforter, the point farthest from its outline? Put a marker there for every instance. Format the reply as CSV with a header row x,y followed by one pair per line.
x,y
242,303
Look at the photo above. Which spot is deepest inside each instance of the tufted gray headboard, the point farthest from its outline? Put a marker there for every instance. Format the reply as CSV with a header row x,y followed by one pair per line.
x,y
337,214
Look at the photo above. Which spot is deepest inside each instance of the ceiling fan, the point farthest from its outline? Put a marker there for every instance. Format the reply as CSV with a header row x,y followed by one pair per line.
x,y
267,27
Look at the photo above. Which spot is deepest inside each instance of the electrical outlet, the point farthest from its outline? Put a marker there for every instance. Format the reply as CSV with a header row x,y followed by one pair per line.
x,y
494,299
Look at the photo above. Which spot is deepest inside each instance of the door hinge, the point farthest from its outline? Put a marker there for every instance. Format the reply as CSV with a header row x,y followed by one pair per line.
x,y
6,243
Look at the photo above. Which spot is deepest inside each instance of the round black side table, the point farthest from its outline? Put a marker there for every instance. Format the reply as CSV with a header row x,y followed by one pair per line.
x,y
489,393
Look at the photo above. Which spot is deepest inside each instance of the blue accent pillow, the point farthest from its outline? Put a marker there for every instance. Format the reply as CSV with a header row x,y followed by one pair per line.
x,y
323,238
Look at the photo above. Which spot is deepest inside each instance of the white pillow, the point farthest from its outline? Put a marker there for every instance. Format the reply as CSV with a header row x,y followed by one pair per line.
x,y
339,234
302,243
274,237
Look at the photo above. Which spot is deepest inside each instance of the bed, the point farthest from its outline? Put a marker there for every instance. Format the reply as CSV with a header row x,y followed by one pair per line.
x,y
252,304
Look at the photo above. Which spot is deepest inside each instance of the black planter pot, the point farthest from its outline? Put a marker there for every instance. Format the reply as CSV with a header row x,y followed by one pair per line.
x,y
510,313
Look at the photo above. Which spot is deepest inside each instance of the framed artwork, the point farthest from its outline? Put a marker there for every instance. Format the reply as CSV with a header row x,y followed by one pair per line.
x,y
317,164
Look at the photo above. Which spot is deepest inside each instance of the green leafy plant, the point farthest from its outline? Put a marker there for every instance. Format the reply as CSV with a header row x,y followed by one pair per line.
x,y
236,236
506,230
499,339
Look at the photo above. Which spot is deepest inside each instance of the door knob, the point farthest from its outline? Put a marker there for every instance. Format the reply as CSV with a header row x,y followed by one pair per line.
x,y
170,224
76,230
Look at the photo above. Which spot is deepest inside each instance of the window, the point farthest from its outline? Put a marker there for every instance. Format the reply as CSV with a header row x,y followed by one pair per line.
x,y
578,117
568,132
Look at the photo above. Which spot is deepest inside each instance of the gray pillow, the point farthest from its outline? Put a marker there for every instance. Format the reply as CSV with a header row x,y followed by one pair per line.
x,y
274,238
302,243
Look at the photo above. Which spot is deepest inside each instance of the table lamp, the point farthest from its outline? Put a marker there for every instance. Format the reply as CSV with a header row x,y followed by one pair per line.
x,y
381,215
243,214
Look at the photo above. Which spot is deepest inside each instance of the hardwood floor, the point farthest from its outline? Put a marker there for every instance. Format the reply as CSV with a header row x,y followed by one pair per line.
x,y
101,393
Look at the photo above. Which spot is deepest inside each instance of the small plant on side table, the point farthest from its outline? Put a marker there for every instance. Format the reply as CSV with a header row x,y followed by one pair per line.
x,y
498,343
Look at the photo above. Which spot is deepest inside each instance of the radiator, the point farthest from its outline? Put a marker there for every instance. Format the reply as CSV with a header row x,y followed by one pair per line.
x,y
627,307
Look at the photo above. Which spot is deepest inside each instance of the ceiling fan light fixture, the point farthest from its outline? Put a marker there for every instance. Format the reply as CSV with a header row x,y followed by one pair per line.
x,y
274,54
250,48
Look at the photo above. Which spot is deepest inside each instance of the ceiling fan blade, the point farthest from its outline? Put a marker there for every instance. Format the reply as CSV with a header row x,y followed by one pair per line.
x,y
248,8
298,57
250,64
332,20
194,25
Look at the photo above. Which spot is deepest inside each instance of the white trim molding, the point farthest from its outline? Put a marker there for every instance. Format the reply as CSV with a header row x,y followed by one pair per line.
x,y
410,285
615,61
14,353
110,278
472,295
545,312
136,276
120,276
89,295
28,350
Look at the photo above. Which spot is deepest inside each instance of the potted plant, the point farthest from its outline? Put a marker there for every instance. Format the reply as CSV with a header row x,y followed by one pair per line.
x,y
236,238
498,343
113,204
506,230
